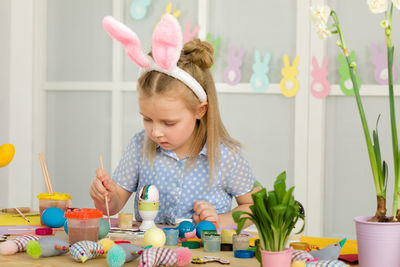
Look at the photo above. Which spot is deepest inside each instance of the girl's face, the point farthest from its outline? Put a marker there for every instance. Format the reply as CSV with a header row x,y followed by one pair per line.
x,y
169,123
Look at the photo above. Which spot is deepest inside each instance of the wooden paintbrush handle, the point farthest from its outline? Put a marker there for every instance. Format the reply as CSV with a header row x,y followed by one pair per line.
x,y
13,210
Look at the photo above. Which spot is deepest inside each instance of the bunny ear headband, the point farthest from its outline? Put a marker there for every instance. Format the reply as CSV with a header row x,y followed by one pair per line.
x,y
166,50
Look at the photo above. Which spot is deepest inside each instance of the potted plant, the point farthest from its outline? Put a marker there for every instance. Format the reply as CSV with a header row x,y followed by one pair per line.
x,y
274,213
375,248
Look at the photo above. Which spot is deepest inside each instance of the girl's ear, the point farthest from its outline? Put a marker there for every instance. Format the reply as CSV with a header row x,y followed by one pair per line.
x,y
201,110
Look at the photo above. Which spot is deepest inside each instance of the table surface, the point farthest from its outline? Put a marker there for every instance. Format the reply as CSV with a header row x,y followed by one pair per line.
x,y
23,259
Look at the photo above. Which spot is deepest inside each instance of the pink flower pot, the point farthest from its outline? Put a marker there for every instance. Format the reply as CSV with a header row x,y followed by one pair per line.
x,y
277,259
378,243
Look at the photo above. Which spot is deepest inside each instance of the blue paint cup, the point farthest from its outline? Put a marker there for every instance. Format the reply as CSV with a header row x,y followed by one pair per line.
x,y
171,235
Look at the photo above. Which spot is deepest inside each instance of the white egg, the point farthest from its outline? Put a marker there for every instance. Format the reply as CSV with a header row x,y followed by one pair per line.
x,y
149,193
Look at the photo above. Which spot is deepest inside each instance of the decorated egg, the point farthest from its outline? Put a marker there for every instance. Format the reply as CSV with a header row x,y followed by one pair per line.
x,y
6,154
185,227
149,193
104,228
53,217
154,237
204,225
66,227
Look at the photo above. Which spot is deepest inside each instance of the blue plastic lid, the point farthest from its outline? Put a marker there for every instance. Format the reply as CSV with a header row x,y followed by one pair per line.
x,y
243,254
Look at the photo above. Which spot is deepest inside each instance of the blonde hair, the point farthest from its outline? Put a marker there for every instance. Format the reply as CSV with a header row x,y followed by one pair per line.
x,y
196,59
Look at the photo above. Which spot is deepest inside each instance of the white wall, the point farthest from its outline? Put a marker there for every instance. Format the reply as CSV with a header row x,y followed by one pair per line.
x,y
16,100
4,91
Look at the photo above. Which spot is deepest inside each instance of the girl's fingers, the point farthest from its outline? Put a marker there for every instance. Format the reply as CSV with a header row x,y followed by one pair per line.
x,y
196,218
94,193
204,211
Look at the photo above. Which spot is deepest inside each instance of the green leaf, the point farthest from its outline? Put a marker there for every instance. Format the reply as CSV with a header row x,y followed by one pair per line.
x,y
280,187
280,209
287,196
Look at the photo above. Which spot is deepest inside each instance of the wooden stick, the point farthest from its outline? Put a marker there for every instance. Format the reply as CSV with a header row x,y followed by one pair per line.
x,y
23,216
47,174
105,196
44,172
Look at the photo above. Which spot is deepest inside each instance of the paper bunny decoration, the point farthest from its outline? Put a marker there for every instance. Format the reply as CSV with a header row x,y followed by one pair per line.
x,y
215,45
259,80
187,34
381,65
232,73
138,8
345,82
166,50
320,75
289,77
168,10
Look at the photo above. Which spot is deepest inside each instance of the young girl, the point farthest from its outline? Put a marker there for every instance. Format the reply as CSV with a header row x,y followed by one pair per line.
x,y
185,150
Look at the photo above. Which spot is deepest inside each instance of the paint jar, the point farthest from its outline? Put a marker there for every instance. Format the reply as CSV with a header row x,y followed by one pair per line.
x,y
226,236
171,235
125,220
83,224
240,242
206,232
212,242
59,200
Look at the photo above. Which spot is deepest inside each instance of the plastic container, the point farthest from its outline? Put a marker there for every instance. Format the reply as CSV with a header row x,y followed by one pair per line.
x,y
59,200
83,224
172,235
240,242
212,242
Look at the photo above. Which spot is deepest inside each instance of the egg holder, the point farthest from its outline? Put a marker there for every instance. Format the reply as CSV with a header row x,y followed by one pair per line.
x,y
148,211
148,205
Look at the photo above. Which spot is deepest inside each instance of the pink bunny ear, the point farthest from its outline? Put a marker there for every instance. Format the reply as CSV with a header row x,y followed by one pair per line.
x,y
167,42
128,39
314,62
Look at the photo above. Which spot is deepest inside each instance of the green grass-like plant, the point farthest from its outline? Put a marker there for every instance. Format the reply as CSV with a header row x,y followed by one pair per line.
x,y
274,213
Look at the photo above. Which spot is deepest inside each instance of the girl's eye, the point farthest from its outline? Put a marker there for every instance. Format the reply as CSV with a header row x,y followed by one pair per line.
x,y
146,119
170,123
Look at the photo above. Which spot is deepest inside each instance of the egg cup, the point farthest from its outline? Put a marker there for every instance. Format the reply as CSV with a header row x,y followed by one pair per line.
x,y
148,211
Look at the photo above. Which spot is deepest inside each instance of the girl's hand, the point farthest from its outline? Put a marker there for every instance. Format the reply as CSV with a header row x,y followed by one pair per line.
x,y
102,185
204,211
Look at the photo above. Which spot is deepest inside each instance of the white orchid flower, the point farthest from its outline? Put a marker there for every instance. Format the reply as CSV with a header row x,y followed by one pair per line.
x,y
377,6
322,31
320,14
396,3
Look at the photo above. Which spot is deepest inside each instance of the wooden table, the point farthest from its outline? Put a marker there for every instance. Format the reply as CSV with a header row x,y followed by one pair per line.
x,y
23,259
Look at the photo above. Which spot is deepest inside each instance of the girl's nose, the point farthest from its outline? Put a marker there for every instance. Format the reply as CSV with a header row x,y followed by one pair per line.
x,y
157,131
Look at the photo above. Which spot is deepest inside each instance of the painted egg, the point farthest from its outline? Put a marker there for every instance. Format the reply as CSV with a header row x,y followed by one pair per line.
x,y
154,237
6,154
185,227
104,228
66,227
149,193
204,225
53,217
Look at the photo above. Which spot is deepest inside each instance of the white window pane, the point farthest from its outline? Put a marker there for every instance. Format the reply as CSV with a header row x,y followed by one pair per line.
x,y
78,132
78,49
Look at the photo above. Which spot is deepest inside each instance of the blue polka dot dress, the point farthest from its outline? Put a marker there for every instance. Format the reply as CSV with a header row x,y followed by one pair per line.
x,y
180,186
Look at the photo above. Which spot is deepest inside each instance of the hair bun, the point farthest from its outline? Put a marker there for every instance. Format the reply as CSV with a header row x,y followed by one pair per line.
x,y
199,52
